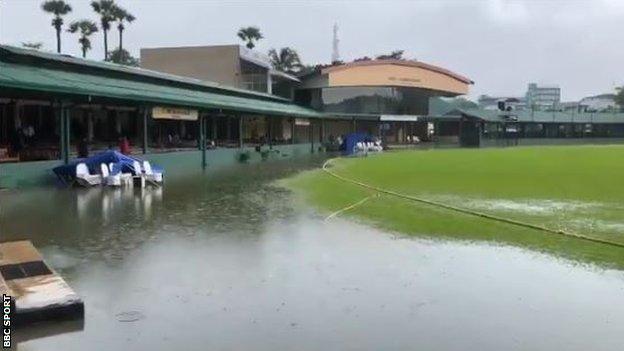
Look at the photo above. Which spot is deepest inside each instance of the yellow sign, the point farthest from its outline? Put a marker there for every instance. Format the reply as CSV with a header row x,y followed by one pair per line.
x,y
176,113
302,122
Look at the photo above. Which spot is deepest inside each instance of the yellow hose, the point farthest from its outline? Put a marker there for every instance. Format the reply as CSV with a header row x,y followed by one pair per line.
x,y
466,211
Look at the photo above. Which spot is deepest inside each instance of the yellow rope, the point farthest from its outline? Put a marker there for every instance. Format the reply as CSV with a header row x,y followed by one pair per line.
x,y
352,206
466,211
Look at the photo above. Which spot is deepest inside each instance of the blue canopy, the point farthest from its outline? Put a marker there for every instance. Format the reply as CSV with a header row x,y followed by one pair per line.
x,y
350,140
121,162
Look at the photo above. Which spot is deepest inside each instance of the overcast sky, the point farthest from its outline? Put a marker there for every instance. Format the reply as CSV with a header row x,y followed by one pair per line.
x,y
501,45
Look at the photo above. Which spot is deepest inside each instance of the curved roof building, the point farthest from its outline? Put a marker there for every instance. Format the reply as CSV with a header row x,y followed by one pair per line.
x,y
378,87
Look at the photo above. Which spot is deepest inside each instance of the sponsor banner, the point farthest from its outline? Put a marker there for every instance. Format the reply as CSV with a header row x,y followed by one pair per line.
x,y
398,118
175,113
302,122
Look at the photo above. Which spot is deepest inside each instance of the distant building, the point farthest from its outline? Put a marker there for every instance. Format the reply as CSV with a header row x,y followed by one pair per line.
x,y
487,102
569,106
543,97
598,103
231,65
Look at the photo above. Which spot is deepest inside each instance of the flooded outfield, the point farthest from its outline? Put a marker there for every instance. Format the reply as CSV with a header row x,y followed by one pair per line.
x,y
231,261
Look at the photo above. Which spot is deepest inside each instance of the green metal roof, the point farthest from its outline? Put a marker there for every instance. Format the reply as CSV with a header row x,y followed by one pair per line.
x,y
439,106
540,116
39,58
24,77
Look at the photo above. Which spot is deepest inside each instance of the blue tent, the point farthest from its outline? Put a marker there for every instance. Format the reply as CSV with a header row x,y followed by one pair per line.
x,y
121,162
348,145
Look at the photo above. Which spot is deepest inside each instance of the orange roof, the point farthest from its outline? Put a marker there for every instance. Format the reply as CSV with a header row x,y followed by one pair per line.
x,y
408,63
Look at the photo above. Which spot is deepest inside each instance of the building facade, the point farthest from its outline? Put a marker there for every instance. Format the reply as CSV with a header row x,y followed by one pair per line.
x,y
389,97
543,97
229,65
598,103
392,95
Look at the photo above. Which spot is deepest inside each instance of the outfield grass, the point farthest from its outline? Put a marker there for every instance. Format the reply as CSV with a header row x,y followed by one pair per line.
x,y
579,189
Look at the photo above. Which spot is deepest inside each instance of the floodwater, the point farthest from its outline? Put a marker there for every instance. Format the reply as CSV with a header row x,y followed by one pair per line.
x,y
231,262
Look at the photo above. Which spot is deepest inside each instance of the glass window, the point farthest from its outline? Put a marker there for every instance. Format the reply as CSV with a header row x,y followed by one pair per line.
x,y
254,77
386,100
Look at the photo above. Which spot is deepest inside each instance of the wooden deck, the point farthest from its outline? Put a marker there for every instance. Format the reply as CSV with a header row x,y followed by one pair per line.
x,y
39,293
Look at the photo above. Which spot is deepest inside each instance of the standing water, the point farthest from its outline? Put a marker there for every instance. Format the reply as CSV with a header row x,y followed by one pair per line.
x,y
229,261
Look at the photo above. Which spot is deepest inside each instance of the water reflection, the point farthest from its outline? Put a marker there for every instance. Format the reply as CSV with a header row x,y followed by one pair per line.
x,y
228,261
110,200
46,330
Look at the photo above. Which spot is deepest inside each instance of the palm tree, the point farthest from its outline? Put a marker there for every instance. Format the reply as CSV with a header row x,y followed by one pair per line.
x,y
286,60
250,34
86,28
106,10
58,8
121,16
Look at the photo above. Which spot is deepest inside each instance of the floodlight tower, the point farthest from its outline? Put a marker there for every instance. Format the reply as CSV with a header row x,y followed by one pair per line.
x,y
335,54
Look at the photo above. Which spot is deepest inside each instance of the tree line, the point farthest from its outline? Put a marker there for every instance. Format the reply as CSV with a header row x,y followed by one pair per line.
x,y
109,14
285,59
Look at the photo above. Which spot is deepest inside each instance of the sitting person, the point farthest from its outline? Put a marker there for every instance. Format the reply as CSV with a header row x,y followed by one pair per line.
x,y
124,146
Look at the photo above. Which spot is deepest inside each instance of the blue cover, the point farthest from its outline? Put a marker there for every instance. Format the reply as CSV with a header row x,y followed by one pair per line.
x,y
122,163
348,145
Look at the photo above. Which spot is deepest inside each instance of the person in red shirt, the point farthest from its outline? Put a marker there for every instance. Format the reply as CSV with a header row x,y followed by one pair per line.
x,y
124,146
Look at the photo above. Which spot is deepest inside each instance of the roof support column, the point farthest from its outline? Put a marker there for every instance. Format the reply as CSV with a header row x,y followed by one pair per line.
x,y
407,131
269,132
202,138
322,131
90,130
65,132
311,132
228,134
240,131
213,130
61,120
292,130
353,125
145,128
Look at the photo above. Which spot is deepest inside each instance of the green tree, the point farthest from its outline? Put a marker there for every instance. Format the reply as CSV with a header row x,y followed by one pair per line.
x,y
286,60
122,16
250,35
106,10
59,9
33,45
395,55
86,28
619,97
122,57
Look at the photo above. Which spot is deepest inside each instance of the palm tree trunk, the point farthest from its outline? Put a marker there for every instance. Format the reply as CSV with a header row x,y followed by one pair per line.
x,y
120,41
84,52
105,44
58,40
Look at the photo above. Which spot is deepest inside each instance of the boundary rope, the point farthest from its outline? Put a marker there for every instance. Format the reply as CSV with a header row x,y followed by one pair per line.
x,y
465,211
349,207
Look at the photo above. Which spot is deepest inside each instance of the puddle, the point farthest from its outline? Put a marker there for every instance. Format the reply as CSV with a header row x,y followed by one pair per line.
x,y
528,206
228,262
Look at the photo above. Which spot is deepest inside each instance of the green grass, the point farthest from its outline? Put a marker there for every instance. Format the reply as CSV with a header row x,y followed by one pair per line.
x,y
577,189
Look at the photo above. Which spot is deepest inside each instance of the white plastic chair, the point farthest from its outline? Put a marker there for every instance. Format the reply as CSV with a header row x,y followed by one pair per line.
x,y
150,174
138,173
125,178
85,178
110,179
